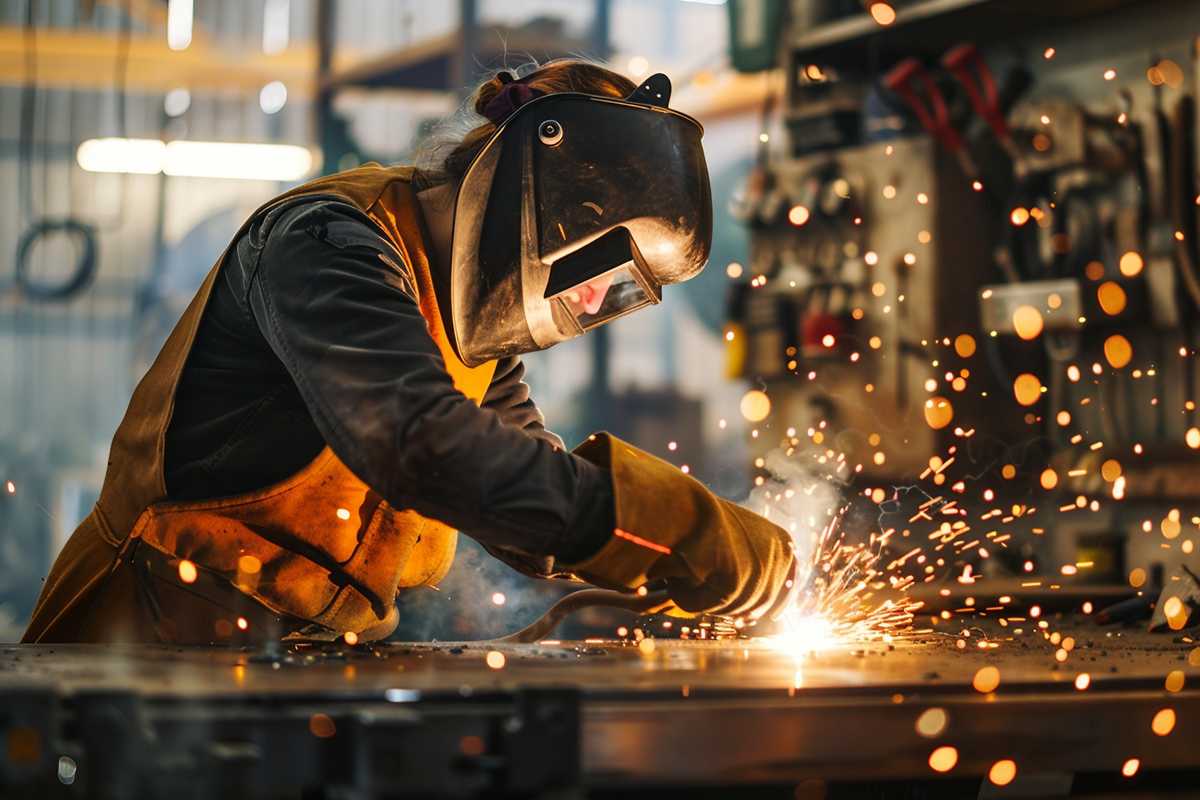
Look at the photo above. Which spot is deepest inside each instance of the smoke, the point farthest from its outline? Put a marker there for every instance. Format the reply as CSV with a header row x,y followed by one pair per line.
x,y
464,607
801,495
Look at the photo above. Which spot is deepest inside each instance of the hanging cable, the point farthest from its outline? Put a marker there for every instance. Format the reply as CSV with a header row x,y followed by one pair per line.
x,y
25,130
28,107
39,228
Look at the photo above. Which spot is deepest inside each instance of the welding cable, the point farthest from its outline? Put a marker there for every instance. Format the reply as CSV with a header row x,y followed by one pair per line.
x,y
1014,259
1020,241
1087,241
1024,242
84,268
81,274
544,625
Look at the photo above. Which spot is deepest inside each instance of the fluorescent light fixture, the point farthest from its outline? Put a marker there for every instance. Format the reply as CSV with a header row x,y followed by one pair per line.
x,y
179,24
262,162
277,16
136,156
230,160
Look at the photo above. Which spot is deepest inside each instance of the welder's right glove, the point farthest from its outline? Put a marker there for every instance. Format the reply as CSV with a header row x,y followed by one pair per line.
x,y
713,555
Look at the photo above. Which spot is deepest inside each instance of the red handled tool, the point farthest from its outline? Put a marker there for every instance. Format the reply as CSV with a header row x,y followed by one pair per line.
x,y
913,84
967,66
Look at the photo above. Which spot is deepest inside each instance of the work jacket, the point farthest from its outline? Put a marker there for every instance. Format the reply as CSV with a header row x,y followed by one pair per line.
x,y
307,441
325,313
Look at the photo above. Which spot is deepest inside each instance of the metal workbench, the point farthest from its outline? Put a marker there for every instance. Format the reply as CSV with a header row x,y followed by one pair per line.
x,y
597,718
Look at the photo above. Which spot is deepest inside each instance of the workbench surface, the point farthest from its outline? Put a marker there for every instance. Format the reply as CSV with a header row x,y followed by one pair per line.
x,y
741,710
1114,658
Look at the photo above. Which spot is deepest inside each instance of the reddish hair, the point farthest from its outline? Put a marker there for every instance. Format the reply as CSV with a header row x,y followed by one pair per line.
x,y
563,75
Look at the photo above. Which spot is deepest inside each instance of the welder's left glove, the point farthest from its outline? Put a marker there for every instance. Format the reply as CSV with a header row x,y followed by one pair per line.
x,y
713,555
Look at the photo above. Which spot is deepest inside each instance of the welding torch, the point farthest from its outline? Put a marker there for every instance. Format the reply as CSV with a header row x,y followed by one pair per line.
x,y
544,625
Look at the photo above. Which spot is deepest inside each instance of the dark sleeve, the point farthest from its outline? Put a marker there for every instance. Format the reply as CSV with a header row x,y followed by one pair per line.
x,y
335,302
509,397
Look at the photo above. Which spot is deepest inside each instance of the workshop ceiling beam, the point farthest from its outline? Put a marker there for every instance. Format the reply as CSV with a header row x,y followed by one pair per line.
x,y
710,96
81,59
149,12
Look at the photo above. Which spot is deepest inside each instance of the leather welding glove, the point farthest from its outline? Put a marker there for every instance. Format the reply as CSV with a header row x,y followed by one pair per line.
x,y
713,555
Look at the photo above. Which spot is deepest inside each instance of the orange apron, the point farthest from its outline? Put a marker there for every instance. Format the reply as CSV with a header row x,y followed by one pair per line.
x,y
318,554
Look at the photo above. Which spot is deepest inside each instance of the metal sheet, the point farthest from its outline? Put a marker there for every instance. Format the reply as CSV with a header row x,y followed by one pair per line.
x,y
597,667
718,712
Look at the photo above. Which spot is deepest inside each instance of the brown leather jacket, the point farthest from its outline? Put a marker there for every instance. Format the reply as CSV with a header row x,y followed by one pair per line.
x,y
338,318
245,419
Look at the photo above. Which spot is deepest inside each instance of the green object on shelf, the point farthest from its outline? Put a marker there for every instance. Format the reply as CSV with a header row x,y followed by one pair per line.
x,y
754,33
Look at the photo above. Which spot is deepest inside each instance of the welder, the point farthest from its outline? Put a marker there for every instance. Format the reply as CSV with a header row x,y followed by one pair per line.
x,y
344,392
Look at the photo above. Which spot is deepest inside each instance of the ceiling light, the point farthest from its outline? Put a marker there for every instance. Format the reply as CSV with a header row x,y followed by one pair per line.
x,y
186,159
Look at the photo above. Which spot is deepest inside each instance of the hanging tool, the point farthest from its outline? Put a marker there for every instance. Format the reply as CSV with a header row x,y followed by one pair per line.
x,y
910,81
992,102
965,63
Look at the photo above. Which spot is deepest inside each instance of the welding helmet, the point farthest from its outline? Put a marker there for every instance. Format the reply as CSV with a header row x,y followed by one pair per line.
x,y
578,210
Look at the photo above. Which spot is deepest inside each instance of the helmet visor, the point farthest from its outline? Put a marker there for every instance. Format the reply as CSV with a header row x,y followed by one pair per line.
x,y
605,297
576,212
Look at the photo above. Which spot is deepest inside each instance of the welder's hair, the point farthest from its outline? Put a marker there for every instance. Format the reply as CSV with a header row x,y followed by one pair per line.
x,y
563,75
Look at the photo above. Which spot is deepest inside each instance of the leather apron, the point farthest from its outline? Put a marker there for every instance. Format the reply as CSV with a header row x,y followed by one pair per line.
x,y
318,554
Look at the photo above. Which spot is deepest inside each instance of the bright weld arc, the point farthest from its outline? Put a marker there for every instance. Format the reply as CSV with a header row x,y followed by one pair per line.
x,y
838,605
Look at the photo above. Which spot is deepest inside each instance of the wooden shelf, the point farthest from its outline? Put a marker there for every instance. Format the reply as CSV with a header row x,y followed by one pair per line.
x,y
432,64
930,27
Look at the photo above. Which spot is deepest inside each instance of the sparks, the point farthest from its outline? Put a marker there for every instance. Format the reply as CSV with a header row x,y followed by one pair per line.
x,y
839,602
